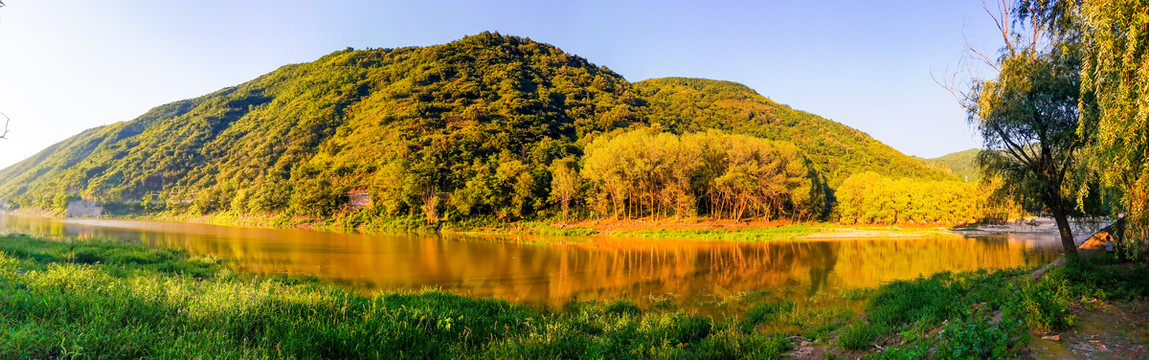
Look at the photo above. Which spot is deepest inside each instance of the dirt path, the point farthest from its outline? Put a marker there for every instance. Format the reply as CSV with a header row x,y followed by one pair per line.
x,y
1114,330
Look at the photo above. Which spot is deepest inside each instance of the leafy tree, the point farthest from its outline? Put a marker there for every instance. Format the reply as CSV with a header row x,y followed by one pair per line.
x,y
685,105
565,182
1116,82
1028,117
643,172
870,198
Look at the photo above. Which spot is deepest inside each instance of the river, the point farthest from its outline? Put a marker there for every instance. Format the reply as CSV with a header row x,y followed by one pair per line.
x,y
557,271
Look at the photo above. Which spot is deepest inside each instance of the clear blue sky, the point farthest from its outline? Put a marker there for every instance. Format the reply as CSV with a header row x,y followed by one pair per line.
x,y
66,66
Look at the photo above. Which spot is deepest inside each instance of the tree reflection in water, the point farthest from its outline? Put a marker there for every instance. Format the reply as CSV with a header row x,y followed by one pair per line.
x,y
555,272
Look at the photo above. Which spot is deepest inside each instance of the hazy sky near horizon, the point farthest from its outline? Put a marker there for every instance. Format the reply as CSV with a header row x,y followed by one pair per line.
x,y
66,66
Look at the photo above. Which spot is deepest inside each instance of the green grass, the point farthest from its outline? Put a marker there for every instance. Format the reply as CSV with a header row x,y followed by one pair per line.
x,y
858,335
114,300
107,300
1105,276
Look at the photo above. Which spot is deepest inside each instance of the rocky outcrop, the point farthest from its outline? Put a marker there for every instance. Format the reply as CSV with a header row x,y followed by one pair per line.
x,y
84,208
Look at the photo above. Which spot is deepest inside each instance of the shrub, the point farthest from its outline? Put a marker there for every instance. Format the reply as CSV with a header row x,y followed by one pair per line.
x,y
858,335
623,307
903,302
763,313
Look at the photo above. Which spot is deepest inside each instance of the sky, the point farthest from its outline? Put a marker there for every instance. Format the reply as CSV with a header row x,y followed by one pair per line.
x,y
67,66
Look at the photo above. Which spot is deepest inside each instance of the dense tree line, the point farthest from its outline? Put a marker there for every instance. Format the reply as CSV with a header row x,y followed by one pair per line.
x,y
643,172
870,198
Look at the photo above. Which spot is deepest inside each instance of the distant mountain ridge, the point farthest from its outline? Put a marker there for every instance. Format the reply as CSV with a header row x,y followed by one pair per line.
x,y
962,164
406,126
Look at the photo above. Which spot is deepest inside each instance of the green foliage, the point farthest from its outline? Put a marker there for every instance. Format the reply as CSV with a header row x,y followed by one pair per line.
x,y
1115,74
623,307
977,337
962,164
903,302
1028,118
64,299
869,198
1043,306
116,255
953,315
1106,42
410,125
1106,277
566,184
686,105
640,173
729,344
858,335
60,202
763,313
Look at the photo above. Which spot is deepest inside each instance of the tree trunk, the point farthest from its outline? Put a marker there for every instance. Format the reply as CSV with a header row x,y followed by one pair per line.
x,y
1059,215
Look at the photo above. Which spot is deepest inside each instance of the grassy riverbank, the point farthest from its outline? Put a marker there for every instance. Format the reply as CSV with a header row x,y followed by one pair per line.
x,y
106,300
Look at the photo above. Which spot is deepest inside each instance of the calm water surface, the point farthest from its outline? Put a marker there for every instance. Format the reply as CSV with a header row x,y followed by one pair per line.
x,y
556,272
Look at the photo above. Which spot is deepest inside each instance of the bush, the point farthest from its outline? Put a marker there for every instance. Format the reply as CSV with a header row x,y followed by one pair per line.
x,y
1044,305
858,335
1117,280
687,329
903,302
730,344
762,313
623,307
978,338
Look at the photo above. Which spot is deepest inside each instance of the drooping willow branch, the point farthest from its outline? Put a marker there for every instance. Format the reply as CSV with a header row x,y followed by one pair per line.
x,y
4,135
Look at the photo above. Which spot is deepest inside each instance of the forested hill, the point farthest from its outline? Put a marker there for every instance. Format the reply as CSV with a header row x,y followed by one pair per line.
x,y
471,127
963,164
689,105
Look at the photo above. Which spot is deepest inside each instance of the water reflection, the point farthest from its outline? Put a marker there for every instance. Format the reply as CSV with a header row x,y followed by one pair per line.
x,y
557,272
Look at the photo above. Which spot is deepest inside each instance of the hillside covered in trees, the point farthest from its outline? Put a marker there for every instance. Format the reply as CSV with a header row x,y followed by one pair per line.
x,y
489,126
963,164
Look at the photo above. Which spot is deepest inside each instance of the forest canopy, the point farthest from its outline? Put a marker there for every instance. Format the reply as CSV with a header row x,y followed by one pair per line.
x,y
642,173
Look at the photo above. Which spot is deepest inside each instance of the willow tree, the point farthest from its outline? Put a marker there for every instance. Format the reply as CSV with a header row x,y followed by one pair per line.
x,y
1115,84
1028,115
1116,79
1028,119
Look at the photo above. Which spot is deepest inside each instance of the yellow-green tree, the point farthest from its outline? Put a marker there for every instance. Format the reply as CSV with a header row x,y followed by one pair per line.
x,y
1115,77
870,198
644,172
565,182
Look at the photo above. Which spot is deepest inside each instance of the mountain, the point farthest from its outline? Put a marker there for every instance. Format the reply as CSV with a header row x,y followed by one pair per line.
x,y
689,105
962,164
409,127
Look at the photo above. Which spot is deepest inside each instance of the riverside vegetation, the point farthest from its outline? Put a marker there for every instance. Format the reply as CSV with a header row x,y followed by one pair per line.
x,y
116,300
